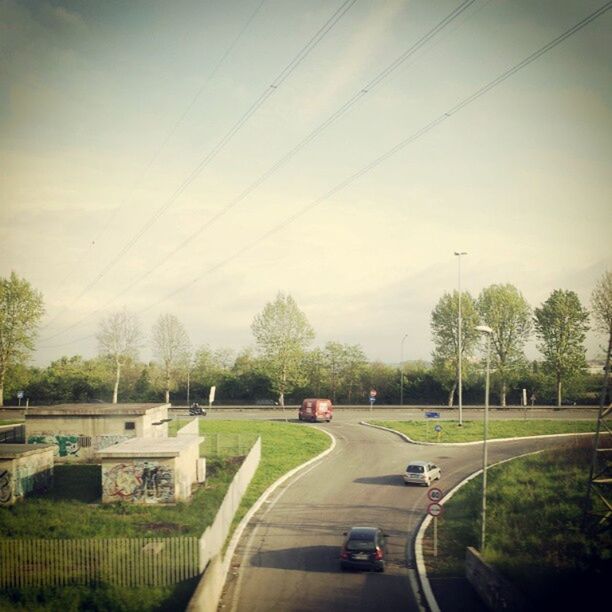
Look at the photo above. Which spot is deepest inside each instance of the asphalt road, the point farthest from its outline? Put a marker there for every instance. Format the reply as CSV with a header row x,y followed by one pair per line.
x,y
287,558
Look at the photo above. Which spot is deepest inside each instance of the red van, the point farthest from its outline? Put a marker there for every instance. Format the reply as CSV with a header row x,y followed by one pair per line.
x,y
316,410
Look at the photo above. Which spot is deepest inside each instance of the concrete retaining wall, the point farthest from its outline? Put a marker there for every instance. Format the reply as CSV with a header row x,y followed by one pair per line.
x,y
208,592
496,592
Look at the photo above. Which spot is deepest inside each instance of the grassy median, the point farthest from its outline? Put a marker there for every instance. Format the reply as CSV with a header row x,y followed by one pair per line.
x,y
534,530
472,431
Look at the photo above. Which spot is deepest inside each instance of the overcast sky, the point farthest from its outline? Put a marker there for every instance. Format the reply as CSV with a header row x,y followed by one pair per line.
x,y
144,154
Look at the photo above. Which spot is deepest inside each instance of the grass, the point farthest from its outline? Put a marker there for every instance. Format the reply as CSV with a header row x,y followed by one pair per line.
x,y
70,511
534,536
11,421
472,431
284,447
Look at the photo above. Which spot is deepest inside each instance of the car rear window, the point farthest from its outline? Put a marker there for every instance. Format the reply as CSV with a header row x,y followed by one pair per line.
x,y
360,545
415,469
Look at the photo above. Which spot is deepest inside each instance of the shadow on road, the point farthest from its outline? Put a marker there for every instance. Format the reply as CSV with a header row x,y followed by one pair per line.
x,y
394,480
305,559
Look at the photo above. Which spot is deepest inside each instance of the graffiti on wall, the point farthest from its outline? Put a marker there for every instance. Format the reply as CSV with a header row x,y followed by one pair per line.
x,y
65,446
140,481
6,488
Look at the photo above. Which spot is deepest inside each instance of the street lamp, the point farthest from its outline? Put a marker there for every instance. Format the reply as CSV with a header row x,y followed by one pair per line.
x,y
402,371
488,331
458,254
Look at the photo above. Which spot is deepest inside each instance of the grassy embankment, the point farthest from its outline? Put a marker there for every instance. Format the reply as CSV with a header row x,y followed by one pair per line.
x,y
534,535
472,431
72,510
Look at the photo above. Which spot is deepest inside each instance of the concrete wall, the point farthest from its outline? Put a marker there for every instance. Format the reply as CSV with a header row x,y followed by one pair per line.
x,y
496,592
24,474
208,592
79,438
144,481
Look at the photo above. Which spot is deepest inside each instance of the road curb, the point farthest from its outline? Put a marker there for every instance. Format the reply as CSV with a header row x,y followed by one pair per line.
x,y
231,548
474,443
421,569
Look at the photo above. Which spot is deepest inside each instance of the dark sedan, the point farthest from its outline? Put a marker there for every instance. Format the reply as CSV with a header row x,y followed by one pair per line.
x,y
364,548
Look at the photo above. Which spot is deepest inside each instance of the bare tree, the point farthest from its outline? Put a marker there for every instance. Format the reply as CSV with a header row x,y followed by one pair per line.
x,y
119,338
171,346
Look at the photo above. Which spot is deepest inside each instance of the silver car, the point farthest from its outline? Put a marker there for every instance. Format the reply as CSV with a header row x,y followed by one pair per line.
x,y
421,472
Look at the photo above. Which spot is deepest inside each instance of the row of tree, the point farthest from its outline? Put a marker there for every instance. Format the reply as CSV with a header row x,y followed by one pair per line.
x,y
283,365
560,325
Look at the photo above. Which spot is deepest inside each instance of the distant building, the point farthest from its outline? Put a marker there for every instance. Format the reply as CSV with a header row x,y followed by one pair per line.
x,y
79,431
24,469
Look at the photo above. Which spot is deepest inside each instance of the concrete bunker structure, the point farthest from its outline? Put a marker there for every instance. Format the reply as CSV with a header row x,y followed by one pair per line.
x,y
153,470
79,431
24,469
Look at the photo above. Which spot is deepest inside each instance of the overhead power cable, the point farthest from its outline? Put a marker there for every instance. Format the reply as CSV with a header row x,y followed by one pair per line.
x,y
269,91
305,141
158,151
391,152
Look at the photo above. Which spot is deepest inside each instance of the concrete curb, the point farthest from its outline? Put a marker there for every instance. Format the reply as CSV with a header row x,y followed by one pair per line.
x,y
432,604
231,549
489,440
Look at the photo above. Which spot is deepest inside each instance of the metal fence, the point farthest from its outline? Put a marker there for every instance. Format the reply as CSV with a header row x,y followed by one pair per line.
x,y
120,561
227,444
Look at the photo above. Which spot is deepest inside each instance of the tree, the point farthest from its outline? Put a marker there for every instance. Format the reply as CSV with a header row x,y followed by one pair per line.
x,y
444,328
282,335
171,346
601,302
507,313
21,308
561,324
119,339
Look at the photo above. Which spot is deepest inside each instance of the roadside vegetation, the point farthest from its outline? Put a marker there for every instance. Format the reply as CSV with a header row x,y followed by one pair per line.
x,y
72,510
472,431
534,534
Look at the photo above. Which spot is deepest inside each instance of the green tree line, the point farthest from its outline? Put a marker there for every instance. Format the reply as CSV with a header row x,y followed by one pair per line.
x,y
284,367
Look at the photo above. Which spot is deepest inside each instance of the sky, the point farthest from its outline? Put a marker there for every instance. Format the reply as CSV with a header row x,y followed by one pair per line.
x,y
198,158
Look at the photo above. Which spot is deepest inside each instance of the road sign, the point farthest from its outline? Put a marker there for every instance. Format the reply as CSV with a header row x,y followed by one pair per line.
x,y
432,415
373,393
19,394
435,494
435,509
438,428
211,395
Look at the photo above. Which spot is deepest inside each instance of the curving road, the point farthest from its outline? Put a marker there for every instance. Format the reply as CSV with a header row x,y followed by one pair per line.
x,y
287,558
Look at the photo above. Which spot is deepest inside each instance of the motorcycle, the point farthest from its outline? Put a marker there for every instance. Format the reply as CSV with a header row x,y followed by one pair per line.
x,y
197,410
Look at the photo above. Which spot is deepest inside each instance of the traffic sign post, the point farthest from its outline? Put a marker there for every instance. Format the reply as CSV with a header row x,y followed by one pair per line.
x,y
20,396
434,509
372,397
438,430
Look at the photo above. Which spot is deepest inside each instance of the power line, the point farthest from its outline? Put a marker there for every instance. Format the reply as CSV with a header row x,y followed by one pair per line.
x,y
161,147
269,91
391,152
398,147
309,138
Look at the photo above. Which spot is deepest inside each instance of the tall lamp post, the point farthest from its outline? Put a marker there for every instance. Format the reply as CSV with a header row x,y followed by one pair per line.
x,y
487,331
402,370
458,254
